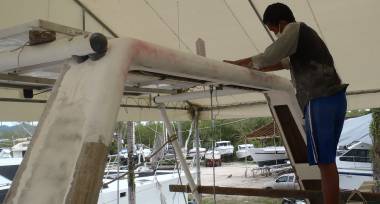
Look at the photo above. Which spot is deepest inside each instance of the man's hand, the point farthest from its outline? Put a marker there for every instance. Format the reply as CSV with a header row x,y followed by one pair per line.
x,y
232,62
246,62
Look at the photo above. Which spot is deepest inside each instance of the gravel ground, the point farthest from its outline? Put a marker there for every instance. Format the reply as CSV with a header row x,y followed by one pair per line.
x,y
233,174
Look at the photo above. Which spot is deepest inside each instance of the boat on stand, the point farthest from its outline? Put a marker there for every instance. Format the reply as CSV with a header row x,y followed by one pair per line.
x,y
271,155
244,150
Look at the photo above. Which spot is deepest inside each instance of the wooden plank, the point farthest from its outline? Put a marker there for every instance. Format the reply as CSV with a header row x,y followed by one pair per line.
x,y
272,193
292,133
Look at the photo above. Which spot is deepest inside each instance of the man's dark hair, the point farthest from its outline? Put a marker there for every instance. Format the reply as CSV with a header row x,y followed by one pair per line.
x,y
274,13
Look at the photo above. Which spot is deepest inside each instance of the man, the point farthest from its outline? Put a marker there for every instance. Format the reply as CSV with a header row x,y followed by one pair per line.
x,y
319,90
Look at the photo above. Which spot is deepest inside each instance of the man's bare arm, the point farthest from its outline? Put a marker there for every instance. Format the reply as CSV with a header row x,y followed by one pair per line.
x,y
247,62
272,68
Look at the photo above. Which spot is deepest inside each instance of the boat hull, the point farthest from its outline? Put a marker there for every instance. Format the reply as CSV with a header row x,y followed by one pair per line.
x,y
269,155
351,179
148,190
241,154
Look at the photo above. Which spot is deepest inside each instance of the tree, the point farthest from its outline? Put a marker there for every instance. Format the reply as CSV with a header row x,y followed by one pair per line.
x,y
375,131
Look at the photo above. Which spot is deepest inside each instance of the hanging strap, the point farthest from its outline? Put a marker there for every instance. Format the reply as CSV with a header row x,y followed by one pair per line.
x,y
170,139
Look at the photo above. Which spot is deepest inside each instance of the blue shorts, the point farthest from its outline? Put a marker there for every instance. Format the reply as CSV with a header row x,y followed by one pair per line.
x,y
324,119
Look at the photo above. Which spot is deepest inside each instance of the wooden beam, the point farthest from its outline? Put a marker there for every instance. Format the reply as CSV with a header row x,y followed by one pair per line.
x,y
311,194
248,191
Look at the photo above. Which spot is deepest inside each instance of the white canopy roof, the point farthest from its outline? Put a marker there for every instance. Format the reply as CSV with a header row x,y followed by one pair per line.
x,y
356,129
230,29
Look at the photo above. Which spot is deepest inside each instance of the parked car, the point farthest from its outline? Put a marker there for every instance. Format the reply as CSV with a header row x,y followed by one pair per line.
x,y
285,181
292,201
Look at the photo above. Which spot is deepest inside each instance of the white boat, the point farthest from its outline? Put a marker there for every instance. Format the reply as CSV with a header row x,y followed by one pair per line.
x,y
8,169
5,153
355,166
225,148
209,155
19,149
143,150
150,188
269,155
193,152
244,150
5,184
139,150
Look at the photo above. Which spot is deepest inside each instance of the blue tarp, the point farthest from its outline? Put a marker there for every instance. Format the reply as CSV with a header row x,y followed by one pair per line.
x,y
356,129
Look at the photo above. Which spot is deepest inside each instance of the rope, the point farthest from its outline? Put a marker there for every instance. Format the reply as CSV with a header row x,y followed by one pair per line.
x,y
159,187
179,175
219,125
179,41
172,138
217,104
21,48
167,25
315,19
43,91
241,26
213,146
260,19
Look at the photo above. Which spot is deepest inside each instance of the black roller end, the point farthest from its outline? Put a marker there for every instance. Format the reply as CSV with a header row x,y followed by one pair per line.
x,y
80,59
27,93
98,43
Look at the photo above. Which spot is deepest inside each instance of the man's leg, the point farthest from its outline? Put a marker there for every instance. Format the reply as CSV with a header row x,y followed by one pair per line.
x,y
330,183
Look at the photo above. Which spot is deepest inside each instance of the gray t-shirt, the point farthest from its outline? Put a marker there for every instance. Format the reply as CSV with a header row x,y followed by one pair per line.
x,y
311,64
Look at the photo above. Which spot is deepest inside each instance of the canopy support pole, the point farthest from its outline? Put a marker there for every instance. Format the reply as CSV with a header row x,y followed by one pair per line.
x,y
179,153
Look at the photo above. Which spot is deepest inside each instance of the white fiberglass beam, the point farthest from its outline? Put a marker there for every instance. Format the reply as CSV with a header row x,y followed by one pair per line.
x,y
58,50
154,58
198,95
66,159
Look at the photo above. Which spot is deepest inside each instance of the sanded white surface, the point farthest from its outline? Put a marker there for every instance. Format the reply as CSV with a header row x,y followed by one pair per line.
x,y
83,110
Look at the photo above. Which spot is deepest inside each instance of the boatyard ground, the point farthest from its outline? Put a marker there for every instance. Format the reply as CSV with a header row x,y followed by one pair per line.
x,y
233,174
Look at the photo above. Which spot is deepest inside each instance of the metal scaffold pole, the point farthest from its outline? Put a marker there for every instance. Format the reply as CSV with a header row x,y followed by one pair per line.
x,y
131,165
178,151
197,143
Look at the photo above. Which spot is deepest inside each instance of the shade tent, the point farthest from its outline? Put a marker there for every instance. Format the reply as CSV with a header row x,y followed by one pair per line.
x,y
230,29
269,130
356,129
84,102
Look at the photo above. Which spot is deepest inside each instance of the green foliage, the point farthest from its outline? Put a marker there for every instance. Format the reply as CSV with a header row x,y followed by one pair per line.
x,y
231,130
9,133
113,147
357,113
375,132
145,133
375,124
